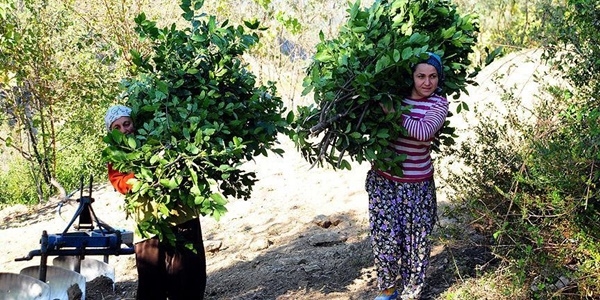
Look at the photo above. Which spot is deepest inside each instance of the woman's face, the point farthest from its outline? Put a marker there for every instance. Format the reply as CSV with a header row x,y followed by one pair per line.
x,y
123,124
425,80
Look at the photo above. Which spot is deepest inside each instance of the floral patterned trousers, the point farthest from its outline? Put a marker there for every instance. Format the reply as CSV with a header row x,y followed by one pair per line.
x,y
401,216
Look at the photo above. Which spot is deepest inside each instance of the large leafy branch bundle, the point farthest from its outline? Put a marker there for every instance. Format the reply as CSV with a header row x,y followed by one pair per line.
x,y
367,67
199,115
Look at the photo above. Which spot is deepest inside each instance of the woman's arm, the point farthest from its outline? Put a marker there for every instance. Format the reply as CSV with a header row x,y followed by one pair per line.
x,y
425,128
119,180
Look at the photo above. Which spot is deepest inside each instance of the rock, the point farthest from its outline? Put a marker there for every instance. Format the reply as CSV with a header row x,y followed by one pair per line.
x,y
311,268
326,222
260,244
562,282
326,239
322,221
293,261
212,246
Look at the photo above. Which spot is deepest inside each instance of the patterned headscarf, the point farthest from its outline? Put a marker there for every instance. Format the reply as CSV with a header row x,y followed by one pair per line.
x,y
436,62
115,112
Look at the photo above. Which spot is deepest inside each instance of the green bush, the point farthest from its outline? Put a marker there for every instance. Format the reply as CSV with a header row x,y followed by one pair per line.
x,y
81,159
367,66
531,187
536,190
16,184
199,115
55,74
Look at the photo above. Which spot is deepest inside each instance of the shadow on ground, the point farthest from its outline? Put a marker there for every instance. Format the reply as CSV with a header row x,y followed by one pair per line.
x,y
298,270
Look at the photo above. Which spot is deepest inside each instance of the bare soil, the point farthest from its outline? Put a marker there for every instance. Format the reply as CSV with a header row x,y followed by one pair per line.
x,y
303,235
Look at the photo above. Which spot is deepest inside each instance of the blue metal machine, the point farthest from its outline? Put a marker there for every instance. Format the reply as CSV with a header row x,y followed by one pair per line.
x,y
86,240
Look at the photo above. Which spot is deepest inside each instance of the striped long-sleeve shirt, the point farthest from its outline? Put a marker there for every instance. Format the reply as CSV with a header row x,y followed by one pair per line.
x,y
425,119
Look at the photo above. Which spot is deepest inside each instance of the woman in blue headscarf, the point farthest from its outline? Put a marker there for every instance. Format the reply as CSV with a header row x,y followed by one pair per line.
x,y
402,207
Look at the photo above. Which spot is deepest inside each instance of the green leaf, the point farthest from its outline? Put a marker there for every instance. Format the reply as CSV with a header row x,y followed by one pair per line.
x,y
192,149
145,174
359,29
252,24
136,58
199,200
382,63
186,134
169,183
290,117
345,165
396,55
356,135
163,210
407,53
464,105
218,199
417,38
198,4
383,133
323,56
131,142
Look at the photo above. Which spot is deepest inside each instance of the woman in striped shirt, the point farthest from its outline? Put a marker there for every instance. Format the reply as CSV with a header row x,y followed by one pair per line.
x,y
402,207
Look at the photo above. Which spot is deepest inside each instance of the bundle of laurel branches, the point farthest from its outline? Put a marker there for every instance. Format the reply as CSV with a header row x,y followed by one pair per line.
x,y
366,70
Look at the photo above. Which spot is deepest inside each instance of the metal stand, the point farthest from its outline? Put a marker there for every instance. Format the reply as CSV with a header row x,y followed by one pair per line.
x,y
85,241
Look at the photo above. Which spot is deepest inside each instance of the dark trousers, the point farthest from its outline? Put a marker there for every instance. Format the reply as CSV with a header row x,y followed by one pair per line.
x,y
174,272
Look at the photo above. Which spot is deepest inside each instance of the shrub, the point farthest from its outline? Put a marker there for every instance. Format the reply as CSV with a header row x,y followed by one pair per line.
x,y
199,115
17,184
368,65
530,185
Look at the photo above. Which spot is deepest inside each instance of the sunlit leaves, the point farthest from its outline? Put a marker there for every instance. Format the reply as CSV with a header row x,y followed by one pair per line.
x,y
367,66
199,115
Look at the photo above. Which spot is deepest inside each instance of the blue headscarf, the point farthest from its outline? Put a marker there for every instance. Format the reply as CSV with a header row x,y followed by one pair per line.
x,y
436,62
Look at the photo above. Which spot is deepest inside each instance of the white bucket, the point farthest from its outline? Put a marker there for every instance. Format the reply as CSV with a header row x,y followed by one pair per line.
x,y
17,287
59,279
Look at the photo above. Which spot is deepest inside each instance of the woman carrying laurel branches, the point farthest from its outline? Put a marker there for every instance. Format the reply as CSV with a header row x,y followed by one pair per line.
x,y
402,207
165,271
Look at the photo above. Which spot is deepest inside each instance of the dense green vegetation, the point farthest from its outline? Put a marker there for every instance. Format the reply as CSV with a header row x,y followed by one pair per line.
x,y
533,182
367,66
55,74
532,187
199,115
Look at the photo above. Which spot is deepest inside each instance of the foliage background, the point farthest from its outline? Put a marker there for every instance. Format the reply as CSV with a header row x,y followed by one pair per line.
x,y
533,188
